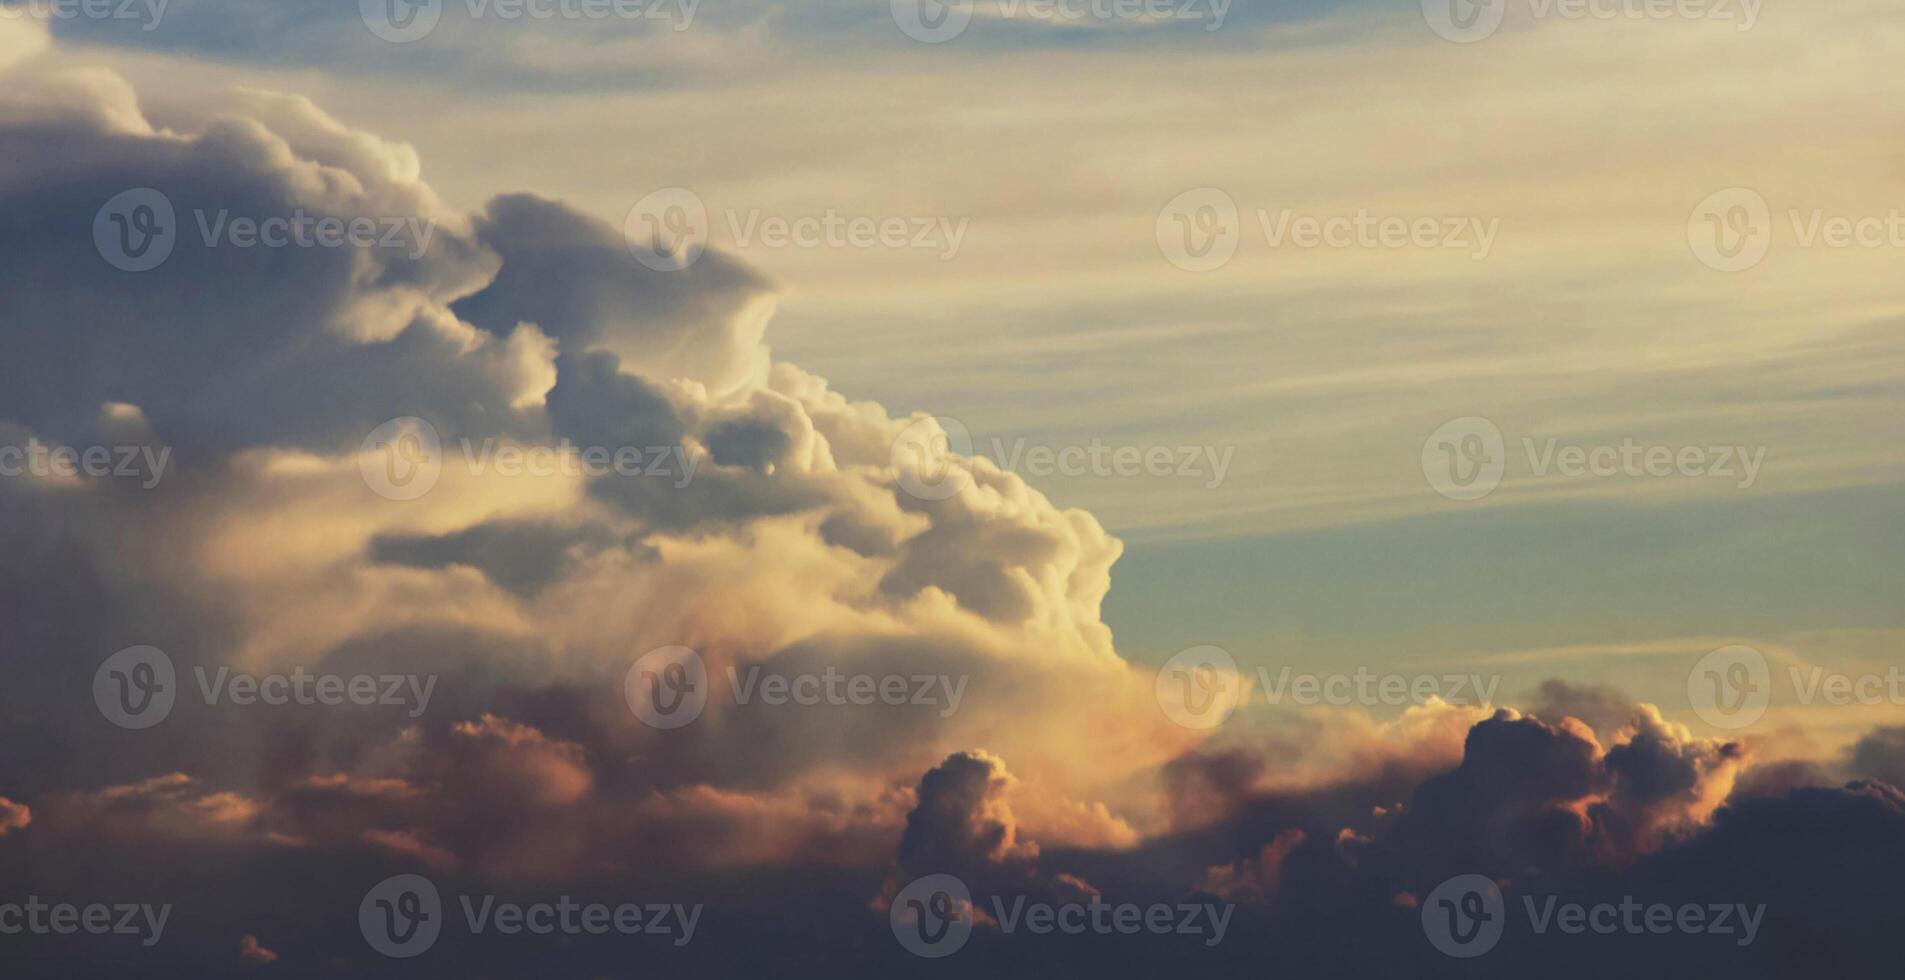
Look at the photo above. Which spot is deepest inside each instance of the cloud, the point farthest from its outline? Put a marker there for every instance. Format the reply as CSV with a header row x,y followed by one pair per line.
x,y
13,816
251,952
962,820
1881,755
793,547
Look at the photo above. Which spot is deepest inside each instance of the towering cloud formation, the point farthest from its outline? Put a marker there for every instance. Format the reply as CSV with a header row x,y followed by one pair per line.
x,y
780,538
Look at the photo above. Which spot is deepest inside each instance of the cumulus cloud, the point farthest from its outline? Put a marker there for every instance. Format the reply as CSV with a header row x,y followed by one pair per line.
x,y
962,821
1880,755
793,548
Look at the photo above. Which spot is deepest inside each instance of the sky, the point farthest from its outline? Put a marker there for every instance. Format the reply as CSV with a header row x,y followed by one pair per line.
x,y
1093,372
